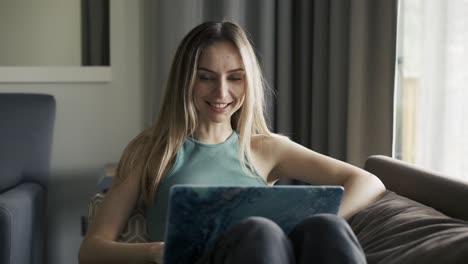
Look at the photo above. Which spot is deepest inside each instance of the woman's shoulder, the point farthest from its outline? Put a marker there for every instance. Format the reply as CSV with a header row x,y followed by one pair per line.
x,y
265,152
264,141
268,146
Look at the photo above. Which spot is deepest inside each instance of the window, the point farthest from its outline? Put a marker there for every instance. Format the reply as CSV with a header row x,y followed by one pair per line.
x,y
431,102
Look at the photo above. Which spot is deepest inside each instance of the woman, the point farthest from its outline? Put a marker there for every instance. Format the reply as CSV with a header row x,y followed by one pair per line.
x,y
211,129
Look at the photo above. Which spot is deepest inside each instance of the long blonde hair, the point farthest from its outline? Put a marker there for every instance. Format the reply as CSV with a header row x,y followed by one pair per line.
x,y
153,151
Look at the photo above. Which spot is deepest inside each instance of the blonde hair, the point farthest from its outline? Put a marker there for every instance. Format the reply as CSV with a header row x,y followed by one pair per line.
x,y
151,153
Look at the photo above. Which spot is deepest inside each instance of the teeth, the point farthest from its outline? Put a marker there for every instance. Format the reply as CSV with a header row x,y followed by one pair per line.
x,y
219,106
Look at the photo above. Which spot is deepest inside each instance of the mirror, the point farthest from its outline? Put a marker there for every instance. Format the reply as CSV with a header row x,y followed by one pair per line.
x,y
51,33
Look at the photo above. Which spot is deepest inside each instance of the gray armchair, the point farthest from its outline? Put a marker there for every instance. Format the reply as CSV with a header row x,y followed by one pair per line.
x,y
26,129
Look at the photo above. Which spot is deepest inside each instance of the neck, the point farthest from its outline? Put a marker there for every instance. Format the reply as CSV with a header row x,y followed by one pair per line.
x,y
212,134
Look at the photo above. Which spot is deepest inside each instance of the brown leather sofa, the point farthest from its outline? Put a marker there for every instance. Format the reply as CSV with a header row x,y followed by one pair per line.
x,y
422,218
441,192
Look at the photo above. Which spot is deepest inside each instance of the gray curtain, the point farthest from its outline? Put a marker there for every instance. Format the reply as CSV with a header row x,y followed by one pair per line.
x,y
95,33
335,75
330,63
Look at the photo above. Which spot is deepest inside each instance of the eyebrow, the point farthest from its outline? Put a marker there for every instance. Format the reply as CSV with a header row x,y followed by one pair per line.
x,y
208,70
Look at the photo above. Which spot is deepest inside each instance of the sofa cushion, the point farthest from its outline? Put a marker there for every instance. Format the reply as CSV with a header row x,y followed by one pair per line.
x,y
399,230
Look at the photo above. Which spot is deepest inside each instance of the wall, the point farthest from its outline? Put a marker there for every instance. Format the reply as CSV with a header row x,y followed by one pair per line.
x,y
94,122
45,32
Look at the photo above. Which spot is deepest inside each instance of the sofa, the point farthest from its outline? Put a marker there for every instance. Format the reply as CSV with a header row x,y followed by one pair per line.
x,y
26,130
421,218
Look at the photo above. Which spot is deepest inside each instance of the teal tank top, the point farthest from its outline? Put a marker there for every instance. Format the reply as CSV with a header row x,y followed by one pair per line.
x,y
198,163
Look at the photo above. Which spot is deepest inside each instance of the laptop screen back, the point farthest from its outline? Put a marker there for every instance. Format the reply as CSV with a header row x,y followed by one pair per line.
x,y
199,215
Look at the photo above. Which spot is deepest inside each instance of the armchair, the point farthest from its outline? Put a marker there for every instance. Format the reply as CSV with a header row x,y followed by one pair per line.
x,y
26,129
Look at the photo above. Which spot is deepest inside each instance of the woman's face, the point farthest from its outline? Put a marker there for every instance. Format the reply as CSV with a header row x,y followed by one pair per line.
x,y
220,83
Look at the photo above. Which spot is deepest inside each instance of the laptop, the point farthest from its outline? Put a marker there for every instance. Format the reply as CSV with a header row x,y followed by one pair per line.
x,y
198,215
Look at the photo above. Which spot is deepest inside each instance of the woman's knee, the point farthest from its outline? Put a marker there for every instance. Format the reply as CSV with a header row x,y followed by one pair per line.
x,y
254,240
258,226
322,224
255,232
326,237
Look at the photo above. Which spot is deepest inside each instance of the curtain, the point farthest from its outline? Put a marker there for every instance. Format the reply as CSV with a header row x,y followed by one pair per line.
x,y
330,63
95,33
434,72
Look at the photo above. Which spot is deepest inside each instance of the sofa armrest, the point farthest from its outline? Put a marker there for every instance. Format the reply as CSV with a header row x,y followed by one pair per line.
x,y
433,189
22,224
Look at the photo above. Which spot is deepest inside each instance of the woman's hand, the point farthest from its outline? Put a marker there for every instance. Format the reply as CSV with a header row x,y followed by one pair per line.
x,y
156,252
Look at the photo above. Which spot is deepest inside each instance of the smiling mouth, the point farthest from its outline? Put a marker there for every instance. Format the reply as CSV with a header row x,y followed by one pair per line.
x,y
218,106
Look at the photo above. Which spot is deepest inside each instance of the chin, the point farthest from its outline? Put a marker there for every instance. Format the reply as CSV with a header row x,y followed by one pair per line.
x,y
220,120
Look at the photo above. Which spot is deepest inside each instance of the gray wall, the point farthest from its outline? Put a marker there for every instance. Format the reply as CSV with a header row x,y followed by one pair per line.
x,y
94,123
45,32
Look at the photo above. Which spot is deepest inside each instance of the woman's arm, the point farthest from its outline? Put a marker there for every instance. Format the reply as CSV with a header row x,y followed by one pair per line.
x,y
99,245
294,161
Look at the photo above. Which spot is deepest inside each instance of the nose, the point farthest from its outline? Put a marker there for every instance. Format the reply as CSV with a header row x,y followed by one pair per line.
x,y
222,88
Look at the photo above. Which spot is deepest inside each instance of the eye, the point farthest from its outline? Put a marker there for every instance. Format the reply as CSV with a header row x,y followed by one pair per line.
x,y
235,78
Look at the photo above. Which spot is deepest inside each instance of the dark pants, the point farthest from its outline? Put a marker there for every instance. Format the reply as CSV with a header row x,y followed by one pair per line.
x,y
322,238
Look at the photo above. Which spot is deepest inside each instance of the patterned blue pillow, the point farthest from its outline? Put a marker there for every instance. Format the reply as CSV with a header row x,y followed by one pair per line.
x,y
135,231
